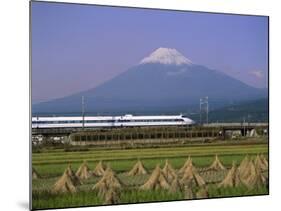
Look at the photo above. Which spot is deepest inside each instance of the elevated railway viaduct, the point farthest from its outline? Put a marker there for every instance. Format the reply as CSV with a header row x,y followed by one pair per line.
x,y
215,130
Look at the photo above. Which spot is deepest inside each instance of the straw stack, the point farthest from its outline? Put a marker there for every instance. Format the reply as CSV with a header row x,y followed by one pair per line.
x,y
138,169
157,180
254,179
260,164
216,165
264,160
175,185
187,163
76,181
169,171
35,174
100,169
202,193
188,193
191,176
107,182
112,196
232,178
83,171
65,184
247,169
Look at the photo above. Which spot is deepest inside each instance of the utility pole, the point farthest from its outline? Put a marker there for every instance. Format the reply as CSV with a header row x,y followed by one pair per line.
x,y
83,113
204,105
200,111
244,126
207,109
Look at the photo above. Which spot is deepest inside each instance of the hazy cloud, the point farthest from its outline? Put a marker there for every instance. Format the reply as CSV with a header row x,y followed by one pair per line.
x,y
258,74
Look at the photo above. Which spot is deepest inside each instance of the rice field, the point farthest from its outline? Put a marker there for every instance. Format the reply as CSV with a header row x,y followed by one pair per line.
x,y
51,164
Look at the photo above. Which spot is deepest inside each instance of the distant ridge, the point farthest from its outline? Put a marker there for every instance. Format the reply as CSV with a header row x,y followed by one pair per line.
x,y
251,111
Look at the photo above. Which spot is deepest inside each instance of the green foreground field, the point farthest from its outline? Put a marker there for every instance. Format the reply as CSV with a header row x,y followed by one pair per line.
x,y
51,163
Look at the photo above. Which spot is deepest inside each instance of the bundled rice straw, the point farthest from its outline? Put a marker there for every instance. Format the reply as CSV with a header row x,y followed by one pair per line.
x,y
112,196
244,164
76,181
260,164
202,193
64,184
190,176
264,161
246,170
100,169
216,165
83,171
253,176
156,181
35,174
187,163
107,182
175,185
138,169
188,194
169,171
232,178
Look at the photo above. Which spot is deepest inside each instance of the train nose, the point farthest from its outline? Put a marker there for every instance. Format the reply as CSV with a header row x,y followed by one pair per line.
x,y
190,121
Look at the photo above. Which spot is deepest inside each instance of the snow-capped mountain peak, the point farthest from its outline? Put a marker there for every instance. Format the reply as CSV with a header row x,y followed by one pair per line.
x,y
166,56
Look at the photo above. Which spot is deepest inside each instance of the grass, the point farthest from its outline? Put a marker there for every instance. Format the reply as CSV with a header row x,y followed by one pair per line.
x,y
214,191
45,199
134,196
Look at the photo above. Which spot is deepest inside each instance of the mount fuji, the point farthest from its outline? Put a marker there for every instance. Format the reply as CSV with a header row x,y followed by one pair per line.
x,y
165,81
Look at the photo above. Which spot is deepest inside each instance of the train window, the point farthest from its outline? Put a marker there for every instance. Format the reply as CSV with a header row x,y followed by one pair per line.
x,y
42,122
123,120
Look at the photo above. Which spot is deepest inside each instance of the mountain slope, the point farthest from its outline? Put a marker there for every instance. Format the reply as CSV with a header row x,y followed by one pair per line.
x,y
164,80
251,111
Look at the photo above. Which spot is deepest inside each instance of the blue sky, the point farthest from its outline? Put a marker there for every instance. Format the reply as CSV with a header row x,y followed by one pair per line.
x,y
78,47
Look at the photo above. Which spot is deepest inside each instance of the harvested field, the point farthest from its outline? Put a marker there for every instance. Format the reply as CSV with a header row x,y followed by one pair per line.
x,y
149,174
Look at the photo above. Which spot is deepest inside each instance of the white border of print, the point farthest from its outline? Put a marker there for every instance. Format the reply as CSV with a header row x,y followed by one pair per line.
x,y
14,66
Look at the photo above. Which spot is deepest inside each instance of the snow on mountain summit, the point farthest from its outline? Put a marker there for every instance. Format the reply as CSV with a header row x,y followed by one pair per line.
x,y
166,56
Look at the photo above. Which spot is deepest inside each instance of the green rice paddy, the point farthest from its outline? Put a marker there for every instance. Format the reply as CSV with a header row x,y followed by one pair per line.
x,y
51,163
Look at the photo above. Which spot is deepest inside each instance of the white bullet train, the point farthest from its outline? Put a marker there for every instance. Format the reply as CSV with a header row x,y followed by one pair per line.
x,y
127,120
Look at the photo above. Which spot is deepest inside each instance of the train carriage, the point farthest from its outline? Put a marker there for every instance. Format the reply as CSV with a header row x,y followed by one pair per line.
x,y
127,120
